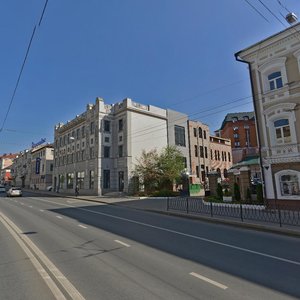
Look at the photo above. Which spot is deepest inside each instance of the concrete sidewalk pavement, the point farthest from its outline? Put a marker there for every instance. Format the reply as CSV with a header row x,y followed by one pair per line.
x,y
159,205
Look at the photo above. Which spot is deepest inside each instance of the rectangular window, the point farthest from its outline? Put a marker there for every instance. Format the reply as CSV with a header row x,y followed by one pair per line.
x,y
179,136
275,81
92,153
201,151
196,151
204,134
92,175
120,150
51,167
106,139
229,158
211,154
106,151
283,132
92,127
106,179
80,179
83,131
197,171
205,152
120,124
70,180
200,133
106,126
77,133
195,132
82,155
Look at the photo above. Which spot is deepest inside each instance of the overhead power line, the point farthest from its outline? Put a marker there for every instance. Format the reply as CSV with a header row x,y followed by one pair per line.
x,y
257,11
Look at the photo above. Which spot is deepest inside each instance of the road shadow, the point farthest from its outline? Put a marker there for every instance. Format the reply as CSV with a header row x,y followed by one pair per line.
x,y
264,271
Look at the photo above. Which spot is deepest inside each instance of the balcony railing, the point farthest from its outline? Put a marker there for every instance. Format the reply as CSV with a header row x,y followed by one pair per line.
x,y
284,150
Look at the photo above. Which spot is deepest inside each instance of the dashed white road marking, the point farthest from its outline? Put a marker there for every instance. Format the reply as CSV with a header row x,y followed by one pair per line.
x,y
122,243
82,226
41,210
215,283
59,217
30,206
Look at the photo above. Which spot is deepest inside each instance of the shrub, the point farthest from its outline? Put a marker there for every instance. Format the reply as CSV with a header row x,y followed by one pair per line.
x,y
219,191
236,192
227,192
259,193
165,193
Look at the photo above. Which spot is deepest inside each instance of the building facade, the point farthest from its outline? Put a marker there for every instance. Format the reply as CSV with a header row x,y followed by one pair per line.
x,y
220,155
274,65
98,149
240,129
6,161
41,167
21,169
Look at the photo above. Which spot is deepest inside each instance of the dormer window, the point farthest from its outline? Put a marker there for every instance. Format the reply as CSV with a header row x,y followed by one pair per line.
x,y
275,81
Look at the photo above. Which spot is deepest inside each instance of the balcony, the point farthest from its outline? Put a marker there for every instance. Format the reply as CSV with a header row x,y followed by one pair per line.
x,y
283,153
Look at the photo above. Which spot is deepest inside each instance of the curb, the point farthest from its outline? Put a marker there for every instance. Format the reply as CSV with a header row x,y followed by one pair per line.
x,y
249,226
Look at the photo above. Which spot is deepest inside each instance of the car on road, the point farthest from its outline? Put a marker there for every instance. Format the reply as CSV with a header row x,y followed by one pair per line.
x,y
2,189
14,191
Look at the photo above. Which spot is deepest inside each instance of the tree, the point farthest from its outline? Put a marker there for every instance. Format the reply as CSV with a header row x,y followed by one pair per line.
x,y
159,171
259,193
171,164
147,170
236,192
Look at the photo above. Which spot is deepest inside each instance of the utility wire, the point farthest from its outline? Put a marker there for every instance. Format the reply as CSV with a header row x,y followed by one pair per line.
x,y
271,12
257,11
18,80
42,16
284,7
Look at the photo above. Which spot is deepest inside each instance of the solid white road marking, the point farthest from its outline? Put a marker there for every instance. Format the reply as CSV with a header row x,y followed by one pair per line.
x,y
59,217
215,283
182,234
32,250
122,243
82,226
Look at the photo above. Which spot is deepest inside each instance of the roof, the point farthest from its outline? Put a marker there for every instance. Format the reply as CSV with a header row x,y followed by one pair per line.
x,y
248,161
239,115
8,156
292,29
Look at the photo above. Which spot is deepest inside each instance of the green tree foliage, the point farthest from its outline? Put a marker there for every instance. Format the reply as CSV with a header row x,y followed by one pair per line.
x,y
219,191
159,171
259,193
236,192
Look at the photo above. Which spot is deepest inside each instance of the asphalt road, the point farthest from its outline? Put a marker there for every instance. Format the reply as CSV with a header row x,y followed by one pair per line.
x,y
111,252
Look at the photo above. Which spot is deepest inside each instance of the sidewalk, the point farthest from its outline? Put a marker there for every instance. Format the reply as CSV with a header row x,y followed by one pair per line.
x,y
159,205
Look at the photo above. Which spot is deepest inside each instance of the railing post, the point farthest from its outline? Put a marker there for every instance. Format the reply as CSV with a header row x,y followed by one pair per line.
x,y
241,210
187,205
279,215
167,203
211,209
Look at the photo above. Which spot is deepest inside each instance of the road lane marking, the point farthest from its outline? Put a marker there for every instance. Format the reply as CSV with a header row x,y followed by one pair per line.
x,y
59,217
82,226
30,206
215,283
182,234
41,210
22,203
33,252
122,243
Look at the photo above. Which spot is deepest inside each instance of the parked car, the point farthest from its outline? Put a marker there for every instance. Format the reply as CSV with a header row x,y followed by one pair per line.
x,y
14,191
2,189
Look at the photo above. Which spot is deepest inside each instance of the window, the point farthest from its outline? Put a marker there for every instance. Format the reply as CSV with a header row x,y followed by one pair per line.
x,y
237,144
106,139
204,134
78,133
70,180
92,153
106,179
80,180
236,135
82,155
211,154
200,132
83,131
179,136
282,130
234,119
106,151
92,141
120,151
197,171
92,127
246,118
205,151
184,162
195,132
120,124
196,151
91,181
106,126
225,173
120,138
229,157
201,151
275,81
51,167
289,185
235,128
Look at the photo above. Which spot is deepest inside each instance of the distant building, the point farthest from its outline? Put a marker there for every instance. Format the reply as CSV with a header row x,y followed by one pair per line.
x,y
21,169
220,155
41,167
240,129
6,160
274,65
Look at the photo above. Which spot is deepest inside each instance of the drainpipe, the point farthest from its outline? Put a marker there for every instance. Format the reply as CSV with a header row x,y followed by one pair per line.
x,y
257,125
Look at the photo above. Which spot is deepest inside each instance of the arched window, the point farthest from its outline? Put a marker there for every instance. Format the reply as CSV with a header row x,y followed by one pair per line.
x,y
219,172
225,173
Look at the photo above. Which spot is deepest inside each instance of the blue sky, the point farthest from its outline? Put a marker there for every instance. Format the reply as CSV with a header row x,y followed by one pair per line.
x,y
176,54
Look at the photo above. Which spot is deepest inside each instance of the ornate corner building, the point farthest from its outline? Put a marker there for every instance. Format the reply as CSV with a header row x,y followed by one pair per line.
x,y
274,67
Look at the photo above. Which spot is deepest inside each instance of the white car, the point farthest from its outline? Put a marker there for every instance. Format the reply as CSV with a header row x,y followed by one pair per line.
x,y
14,191
2,189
